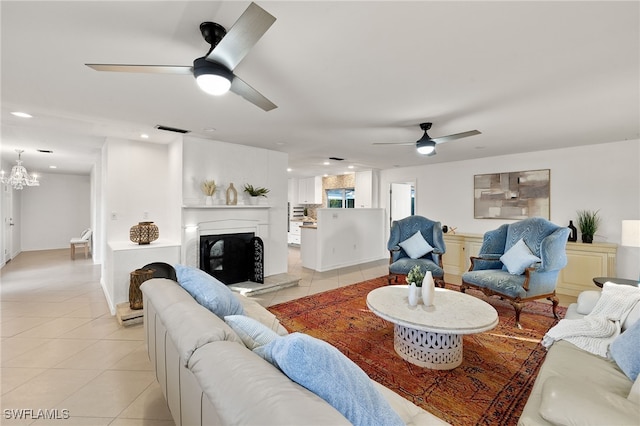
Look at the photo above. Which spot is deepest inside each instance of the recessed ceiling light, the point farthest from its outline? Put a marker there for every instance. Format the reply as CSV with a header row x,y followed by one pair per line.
x,y
21,114
144,136
53,167
326,163
289,169
210,129
351,166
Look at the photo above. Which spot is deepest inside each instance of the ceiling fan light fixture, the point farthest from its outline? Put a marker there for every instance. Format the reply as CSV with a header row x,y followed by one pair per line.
x,y
426,147
214,79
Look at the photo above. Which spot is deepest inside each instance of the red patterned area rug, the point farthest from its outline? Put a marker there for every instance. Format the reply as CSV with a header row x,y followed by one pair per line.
x,y
490,387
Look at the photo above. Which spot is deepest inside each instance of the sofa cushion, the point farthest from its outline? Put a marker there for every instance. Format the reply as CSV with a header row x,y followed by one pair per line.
x,y
208,291
518,258
568,401
253,333
246,390
625,351
416,246
567,361
587,301
325,371
258,312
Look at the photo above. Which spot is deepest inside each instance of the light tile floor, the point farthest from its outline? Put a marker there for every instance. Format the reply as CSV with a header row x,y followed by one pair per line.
x,y
60,348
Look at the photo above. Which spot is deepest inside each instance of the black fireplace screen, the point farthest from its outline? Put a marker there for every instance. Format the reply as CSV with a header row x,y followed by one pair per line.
x,y
233,258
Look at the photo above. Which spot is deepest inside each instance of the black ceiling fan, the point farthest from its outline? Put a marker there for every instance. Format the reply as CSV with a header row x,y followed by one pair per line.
x,y
214,71
426,145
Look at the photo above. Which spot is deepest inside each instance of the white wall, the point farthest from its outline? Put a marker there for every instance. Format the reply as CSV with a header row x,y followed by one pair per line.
x,y
238,164
603,177
138,182
54,212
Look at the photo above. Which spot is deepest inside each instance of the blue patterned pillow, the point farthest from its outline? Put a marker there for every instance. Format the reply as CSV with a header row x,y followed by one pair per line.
x,y
624,351
208,291
325,371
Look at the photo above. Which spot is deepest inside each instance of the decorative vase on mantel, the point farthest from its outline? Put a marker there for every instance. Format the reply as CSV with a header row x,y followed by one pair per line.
x,y
208,200
232,195
144,233
428,289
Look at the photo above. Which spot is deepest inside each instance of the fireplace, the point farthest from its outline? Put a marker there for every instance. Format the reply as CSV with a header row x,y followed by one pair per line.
x,y
233,258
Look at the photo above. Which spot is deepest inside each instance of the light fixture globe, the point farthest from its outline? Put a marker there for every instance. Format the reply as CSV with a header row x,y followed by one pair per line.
x,y
426,146
212,78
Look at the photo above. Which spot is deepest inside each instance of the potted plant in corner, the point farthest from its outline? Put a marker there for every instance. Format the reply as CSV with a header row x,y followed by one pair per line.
x,y
588,222
255,192
208,188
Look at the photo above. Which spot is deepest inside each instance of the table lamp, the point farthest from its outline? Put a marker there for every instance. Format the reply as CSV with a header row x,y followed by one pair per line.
x,y
631,234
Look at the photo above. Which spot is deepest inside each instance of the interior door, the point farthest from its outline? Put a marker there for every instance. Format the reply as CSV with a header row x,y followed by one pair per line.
x,y
7,223
402,200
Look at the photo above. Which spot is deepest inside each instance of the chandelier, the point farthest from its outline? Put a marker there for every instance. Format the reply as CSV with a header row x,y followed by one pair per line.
x,y
19,176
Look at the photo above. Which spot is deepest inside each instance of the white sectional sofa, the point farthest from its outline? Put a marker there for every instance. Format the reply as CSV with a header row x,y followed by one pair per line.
x,y
576,387
209,377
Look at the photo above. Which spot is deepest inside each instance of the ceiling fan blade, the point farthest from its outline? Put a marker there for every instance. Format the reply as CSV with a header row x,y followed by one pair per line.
x,y
242,36
395,143
241,88
455,136
149,69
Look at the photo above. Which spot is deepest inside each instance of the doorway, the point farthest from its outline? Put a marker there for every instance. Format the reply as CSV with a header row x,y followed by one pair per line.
x,y
402,196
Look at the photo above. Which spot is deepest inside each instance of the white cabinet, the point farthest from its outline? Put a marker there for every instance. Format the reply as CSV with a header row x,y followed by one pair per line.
x,y
364,189
459,248
293,237
585,262
310,190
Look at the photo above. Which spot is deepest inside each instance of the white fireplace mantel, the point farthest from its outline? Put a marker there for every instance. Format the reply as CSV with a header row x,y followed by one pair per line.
x,y
217,220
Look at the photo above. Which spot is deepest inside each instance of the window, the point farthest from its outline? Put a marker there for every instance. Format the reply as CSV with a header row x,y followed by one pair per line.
x,y
341,198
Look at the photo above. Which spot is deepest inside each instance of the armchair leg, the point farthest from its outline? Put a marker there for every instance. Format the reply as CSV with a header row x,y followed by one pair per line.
x,y
554,300
518,307
463,287
439,282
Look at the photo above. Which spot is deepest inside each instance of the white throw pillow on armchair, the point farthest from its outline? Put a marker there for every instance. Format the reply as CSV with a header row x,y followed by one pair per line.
x,y
416,246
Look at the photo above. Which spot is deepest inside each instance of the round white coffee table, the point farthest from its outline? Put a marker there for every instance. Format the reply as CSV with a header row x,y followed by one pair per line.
x,y
432,336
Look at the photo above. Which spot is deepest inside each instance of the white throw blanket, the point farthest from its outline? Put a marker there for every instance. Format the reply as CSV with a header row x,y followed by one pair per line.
x,y
601,326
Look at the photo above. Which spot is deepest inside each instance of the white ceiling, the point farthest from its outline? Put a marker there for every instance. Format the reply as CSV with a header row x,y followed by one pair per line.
x,y
529,75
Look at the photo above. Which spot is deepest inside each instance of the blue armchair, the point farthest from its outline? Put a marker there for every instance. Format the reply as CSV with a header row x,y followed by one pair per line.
x,y
520,272
400,263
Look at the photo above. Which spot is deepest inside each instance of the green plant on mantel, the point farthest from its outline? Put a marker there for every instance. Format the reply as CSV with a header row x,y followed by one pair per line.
x,y
255,192
415,275
208,187
588,222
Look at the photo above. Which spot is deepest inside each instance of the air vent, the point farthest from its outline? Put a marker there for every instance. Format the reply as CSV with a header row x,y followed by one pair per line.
x,y
45,151
336,158
172,129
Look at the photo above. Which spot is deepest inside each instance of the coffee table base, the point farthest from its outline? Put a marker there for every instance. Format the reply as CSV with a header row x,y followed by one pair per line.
x,y
437,351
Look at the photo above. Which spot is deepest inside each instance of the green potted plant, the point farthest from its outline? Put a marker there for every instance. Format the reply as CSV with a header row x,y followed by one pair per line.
x,y
588,222
255,192
415,275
